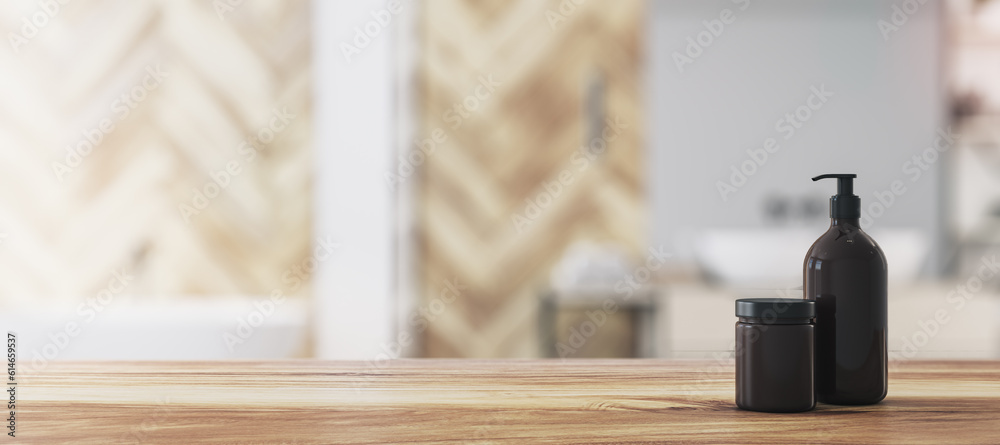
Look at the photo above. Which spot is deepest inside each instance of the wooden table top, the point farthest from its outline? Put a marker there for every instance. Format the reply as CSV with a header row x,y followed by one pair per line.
x,y
504,401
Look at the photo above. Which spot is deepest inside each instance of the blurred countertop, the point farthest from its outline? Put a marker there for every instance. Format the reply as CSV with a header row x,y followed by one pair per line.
x,y
927,320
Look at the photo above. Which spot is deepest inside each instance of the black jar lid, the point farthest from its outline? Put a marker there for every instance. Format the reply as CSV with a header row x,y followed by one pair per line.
x,y
775,308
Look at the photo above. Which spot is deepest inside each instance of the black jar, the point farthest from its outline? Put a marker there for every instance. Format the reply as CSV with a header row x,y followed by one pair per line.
x,y
774,354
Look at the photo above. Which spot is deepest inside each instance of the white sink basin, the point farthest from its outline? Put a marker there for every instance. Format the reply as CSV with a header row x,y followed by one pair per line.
x,y
773,257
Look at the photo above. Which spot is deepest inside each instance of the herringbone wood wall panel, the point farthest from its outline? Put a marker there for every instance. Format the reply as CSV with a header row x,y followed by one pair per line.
x,y
177,85
508,146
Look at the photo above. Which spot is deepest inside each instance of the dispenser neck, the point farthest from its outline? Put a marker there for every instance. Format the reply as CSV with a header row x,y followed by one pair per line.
x,y
845,207
856,222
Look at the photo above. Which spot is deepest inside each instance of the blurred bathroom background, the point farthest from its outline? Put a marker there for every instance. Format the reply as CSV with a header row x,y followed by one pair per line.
x,y
442,178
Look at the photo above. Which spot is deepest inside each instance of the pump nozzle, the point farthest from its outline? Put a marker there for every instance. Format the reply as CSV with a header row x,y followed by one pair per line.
x,y
845,204
845,182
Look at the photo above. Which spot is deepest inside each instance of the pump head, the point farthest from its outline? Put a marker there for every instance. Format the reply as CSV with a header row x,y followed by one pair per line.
x,y
845,204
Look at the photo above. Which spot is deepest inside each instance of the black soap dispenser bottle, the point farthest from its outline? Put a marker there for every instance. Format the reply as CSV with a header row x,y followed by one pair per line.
x,y
845,273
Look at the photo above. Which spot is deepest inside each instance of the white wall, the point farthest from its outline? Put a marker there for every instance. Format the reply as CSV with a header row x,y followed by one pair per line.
x,y
888,101
355,136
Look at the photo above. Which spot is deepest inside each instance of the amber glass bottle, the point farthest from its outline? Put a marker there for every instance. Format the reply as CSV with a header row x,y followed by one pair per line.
x,y
845,273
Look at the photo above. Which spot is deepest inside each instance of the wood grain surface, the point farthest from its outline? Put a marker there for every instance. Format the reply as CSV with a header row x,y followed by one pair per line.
x,y
453,401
